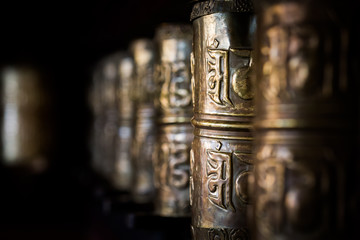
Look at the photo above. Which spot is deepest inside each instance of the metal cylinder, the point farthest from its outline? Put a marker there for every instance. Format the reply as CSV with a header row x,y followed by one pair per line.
x,y
26,124
95,105
303,123
113,119
123,176
107,115
172,158
221,159
145,130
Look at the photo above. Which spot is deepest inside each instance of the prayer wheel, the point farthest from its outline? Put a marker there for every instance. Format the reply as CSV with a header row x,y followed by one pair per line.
x,y
145,130
303,120
175,134
221,155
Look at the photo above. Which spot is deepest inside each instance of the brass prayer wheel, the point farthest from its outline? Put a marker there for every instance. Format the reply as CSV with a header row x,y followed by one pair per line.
x,y
145,130
26,123
221,159
303,123
108,115
113,110
95,105
123,178
175,134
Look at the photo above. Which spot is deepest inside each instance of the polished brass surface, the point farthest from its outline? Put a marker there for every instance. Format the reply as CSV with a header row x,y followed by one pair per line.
x,y
302,123
221,159
145,131
26,130
172,158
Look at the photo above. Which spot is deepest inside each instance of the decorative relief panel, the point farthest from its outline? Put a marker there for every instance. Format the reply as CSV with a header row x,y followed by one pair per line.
x,y
291,189
290,56
222,79
218,74
219,179
175,85
171,165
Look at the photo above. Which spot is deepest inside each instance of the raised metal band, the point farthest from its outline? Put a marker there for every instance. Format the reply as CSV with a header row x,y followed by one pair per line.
x,y
220,125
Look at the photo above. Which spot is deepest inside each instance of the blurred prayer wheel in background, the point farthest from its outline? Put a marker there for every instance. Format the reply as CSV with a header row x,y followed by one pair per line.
x,y
175,133
123,178
221,159
97,120
109,114
113,124
26,123
145,130
304,121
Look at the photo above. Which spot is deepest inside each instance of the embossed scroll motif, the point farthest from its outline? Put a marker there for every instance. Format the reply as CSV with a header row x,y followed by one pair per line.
x,y
218,74
219,182
175,90
173,165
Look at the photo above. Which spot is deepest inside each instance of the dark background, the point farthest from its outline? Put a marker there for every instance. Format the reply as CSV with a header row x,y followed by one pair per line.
x,y
64,40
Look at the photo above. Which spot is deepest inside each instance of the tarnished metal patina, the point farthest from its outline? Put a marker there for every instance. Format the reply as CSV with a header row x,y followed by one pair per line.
x,y
172,158
145,130
302,146
221,159
26,123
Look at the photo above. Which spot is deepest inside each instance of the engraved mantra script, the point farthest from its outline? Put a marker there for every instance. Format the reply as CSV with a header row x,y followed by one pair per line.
x,y
219,169
175,91
217,77
174,169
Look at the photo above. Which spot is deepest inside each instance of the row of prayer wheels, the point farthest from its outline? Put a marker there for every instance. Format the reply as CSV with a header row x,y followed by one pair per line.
x,y
247,122
142,109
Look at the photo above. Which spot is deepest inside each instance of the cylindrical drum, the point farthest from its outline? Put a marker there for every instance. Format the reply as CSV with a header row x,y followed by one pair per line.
x,y
97,119
145,129
172,159
302,125
221,159
26,123
108,78
126,112
113,119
